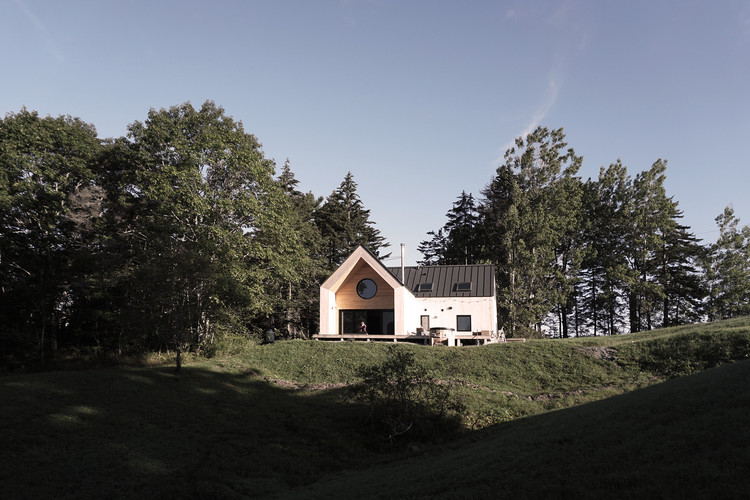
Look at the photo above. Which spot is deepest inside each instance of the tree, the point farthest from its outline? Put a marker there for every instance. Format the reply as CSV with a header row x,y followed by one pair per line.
x,y
605,271
639,261
651,219
459,240
523,226
679,273
566,202
298,313
433,250
206,226
728,269
46,171
344,223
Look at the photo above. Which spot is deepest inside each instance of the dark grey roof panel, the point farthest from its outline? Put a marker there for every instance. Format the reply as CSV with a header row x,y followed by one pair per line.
x,y
445,278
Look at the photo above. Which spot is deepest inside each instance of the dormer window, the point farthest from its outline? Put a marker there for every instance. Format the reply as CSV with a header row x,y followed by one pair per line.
x,y
464,286
425,287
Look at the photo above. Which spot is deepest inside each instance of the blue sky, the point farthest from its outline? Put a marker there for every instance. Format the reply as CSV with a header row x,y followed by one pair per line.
x,y
418,99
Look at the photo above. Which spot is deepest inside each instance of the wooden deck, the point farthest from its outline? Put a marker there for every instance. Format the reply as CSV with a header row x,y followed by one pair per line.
x,y
370,337
456,339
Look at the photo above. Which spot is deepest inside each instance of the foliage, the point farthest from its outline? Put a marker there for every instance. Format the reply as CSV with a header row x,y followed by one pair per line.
x,y
728,268
345,223
530,212
458,241
167,239
574,258
404,400
297,314
48,197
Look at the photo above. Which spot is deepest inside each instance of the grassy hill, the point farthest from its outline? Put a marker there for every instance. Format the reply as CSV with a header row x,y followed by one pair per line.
x,y
575,418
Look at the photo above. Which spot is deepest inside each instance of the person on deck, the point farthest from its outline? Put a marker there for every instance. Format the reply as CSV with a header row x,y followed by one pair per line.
x,y
362,327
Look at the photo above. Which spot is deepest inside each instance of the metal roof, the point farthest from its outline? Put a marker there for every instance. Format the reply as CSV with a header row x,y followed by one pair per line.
x,y
445,279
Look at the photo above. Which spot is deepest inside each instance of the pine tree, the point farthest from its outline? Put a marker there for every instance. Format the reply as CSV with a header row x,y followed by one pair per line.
x,y
728,269
344,223
679,274
604,270
459,241
463,243
432,250
297,313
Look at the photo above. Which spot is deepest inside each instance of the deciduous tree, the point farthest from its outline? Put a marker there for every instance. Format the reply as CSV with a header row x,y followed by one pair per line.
x,y
46,171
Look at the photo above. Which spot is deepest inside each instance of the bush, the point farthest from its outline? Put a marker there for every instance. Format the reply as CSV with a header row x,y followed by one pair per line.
x,y
405,402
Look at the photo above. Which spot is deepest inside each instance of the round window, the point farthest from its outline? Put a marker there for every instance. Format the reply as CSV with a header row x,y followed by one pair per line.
x,y
367,288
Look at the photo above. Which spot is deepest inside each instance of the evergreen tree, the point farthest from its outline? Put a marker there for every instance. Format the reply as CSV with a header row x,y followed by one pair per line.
x,y
432,250
678,272
728,269
566,202
651,219
344,223
459,240
639,259
524,226
463,243
298,313
604,270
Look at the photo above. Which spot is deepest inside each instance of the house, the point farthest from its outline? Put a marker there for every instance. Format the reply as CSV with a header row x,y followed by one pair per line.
x,y
455,304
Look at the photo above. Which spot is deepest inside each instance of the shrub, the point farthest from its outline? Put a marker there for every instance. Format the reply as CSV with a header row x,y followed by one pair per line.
x,y
405,402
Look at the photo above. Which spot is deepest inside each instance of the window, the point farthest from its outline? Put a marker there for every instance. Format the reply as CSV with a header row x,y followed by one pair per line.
x,y
367,288
463,323
425,287
464,286
378,321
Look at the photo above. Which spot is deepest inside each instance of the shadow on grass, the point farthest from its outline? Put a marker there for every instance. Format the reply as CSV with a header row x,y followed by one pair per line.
x,y
684,438
151,433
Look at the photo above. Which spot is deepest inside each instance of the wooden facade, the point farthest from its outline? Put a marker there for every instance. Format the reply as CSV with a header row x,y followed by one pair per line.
x,y
347,297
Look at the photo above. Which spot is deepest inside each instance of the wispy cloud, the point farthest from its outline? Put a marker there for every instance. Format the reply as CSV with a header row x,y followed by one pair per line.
x,y
744,20
52,47
549,101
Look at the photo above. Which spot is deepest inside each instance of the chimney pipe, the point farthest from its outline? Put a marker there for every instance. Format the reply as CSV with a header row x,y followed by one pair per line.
x,y
403,257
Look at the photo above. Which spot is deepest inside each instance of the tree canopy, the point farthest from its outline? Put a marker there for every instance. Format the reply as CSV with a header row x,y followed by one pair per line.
x,y
183,235
602,256
178,236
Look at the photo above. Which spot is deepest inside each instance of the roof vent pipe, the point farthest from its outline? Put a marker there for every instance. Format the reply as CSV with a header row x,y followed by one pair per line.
x,y
403,256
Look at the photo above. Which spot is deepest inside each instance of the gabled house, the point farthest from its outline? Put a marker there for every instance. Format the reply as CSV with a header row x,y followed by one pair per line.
x,y
456,301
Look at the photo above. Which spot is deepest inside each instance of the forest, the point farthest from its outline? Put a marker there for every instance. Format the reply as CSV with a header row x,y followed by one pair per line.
x,y
183,236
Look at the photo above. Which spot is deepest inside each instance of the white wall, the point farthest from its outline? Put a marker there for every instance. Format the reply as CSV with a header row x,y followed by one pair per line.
x,y
410,311
443,312
328,312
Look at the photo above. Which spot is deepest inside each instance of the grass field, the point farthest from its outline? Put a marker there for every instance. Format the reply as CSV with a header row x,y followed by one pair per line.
x,y
659,414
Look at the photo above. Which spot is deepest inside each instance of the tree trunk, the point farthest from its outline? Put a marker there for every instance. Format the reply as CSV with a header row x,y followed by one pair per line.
x,y
564,321
633,303
178,359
